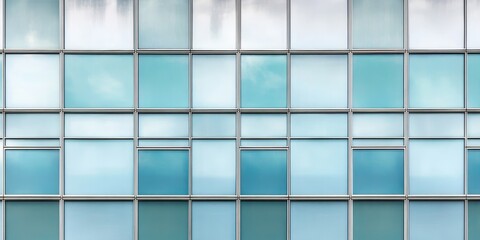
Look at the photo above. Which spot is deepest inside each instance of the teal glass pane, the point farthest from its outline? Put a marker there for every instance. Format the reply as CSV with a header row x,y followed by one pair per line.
x,y
98,81
323,219
474,220
163,172
32,171
163,81
473,75
378,79
378,172
319,125
436,220
26,220
264,125
473,171
98,220
376,125
32,24
378,24
213,220
436,125
162,220
264,81
378,220
263,220
32,125
263,172
163,125
98,125
163,24
436,81
213,125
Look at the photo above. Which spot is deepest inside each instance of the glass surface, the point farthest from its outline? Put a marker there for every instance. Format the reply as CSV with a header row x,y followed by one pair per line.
x,y
377,142
27,220
378,220
263,172
99,24
319,125
377,125
263,220
99,167
436,125
378,79
213,220
31,142
213,125
264,125
214,24
28,125
162,220
473,75
436,166
213,73
163,81
32,81
98,220
162,172
98,125
99,81
163,24
473,32
473,220
263,143
319,167
319,81
163,143
473,171
163,125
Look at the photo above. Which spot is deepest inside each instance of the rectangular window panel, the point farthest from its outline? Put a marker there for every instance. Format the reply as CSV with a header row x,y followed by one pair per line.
x,y
163,125
378,220
214,24
436,125
319,125
264,125
377,142
377,125
213,220
31,220
32,142
473,220
213,125
473,171
263,143
263,220
32,125
163,143
263,172
98,125
473,76
473,16
162,220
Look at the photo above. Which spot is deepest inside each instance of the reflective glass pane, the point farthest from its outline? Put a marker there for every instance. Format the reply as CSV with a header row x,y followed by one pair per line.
x,y
163,143
473,220
263,220
473,32
377,142
98,125
213,220
263,172
162,220
378,220
473,171
436,125
319,125
27,125
31,220
377,125
473,76
32,142
263,143
163,125
214,24
213,125
264,125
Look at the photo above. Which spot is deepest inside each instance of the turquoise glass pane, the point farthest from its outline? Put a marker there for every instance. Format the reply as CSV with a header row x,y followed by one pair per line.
x,y
378,80
263,172
163,172
98,220
376,125
378,220
162,220
31,171
213,220
98,81
474,220
163,81
319,125
163,125
32,125
473,81
264,81
378,171
26,220
263,220
436,125
213,125
264,125
313,220
436,81
436,220
473,171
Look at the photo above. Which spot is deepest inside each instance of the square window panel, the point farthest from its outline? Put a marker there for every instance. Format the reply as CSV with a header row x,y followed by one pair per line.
x,y
213,220
378,220
375,125
162,220
31,220
473,171
163,125
473,16
214,24
319,125
473,220
263,172
263,220
436,125
213,125
473,75
32,125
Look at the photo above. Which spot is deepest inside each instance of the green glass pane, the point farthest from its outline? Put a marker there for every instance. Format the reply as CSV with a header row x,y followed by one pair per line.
x,y
263,220
263,172
474,220
473,80
163,220
27,220
378,220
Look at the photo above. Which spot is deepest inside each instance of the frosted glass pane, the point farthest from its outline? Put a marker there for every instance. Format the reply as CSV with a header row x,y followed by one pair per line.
x,y
439,220
163,143
213,125
473,17
28,125
319,125
98,125
213,167
162,220
213,220
319,81
264,125
99,24
378,220
163,24
435,24
436,125
213,73
35,143
31,220
473,80
377,125
163,125
377,142
32,81
473,171
263,172
473,142
436,166
319,167
329,30
474,220
263,220
99,167
263,143
214,24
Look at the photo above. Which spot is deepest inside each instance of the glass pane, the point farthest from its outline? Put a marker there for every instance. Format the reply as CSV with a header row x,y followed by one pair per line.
x,y
99,81
213,73
31,220
436,125
319,167
263,172
263,143
435,24
377,142
213,125
162,220
214,24
213,220
473,171
163,24
473,76
319,125
32,81
34,143
378,220
163,143
264,125
98,220
99,167
163,81
377,125
263,220
473,220
99,24
473,32
436,166
213,167
378,80
319,81
31,125
163,125
98,125
163,172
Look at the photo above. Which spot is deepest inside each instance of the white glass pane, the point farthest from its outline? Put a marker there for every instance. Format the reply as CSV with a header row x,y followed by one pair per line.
x,y
27,125
473,125
473,142
473,18
439,220
34,143
162,143
98,125
264,125
163,125
319,125
263,143
377,142
377,125
214,24
213,125
436,125
213,220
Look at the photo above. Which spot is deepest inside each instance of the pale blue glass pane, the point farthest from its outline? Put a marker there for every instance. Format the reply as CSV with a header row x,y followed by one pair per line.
x,y
264,81
213,125
99,167
377,142
264,125
32,81
473,80
473,32
1,77
263,220
436,80
214,24
163,81
213,167
319,167
473,171
213,220
163,125
319,81
31,171
98,125
378,80
26,125
99,220
378,172
436,125
213,73
378,24
473,142
263,143
436,220
436,166
263,172
163,143
26,220
473,125
474,220
162,220
32,24
377,125
163,24
319,125
163,172
30,142
98,81
311,220
378,220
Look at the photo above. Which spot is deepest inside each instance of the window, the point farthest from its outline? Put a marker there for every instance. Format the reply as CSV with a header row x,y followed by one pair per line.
x,y
163,125
319,125
263,220
162,220
473,16
376,220
32,220
473,219
263,172
32,125
98,125
214,125
473,75
264,125
473,171
436,125
214,24
377,125
213,220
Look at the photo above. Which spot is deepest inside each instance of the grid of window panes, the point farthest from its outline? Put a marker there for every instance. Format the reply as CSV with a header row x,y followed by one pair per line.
x,y
240,119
